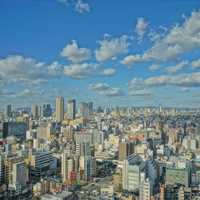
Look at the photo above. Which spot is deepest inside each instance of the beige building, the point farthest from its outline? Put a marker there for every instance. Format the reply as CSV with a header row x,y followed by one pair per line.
x,y
59,109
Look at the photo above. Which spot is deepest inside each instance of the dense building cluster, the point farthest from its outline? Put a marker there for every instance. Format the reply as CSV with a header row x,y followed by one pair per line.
x,y
71,151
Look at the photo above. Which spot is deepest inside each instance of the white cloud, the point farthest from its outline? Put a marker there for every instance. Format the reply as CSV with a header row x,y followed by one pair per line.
x,y
74,53
55,69
174,69
111,47
16,68
106,90
154,67
136,84
113,92
29,93
133,59
141,28
185,89
99,87
140,93
181,80
108,72
180,39
195,63
81,71
6,93
82,7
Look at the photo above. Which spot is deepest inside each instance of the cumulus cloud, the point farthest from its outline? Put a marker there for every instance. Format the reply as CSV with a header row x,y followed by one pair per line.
x,y
141,28
195,64
182,80
6,93
29,93
172,43
81,71
74,53
178,67
154,67
136,84
16,68
108,72
80,6
131,60
180,39
106,90
111,47
140,93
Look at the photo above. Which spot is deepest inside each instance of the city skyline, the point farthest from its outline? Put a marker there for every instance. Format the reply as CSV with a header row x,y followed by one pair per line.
x,y
106,52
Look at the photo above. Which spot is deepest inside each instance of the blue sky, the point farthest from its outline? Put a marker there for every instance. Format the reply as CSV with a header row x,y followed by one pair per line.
x,y
124,52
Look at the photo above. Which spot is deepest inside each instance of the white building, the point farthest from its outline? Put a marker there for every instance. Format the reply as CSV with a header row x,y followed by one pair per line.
x,y
132,168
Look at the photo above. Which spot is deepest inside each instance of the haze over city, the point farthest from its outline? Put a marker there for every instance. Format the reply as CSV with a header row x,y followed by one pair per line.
x,y
99,100
132,53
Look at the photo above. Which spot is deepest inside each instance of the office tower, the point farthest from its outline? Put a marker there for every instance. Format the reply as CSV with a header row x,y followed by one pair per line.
x,y
90,105
41,162
47,111
9,110
84,110
125,149
67,166
35,111
19,175
5,130
17,129
88,167
83,149
145,190
131,172
44,130
2,169
16,172
59,109
71,109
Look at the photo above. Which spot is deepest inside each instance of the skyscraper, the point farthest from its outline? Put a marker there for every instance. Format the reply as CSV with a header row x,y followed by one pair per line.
x,y
35,111
47,111
84,109
9,110
71,109
59,109
125,149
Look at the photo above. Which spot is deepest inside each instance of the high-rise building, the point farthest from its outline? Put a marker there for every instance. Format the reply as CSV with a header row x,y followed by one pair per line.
x,y
59,109
84,110
90,105
19,175
67,166
35,111
131,172
9,110
145,188
71,109
88,167
125,149
47,111
2,169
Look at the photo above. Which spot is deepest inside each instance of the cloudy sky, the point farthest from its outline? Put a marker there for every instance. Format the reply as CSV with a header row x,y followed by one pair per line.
x,y
124,52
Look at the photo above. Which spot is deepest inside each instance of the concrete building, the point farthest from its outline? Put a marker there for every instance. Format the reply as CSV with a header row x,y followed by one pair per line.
x,y
59,109
131,173
71,109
